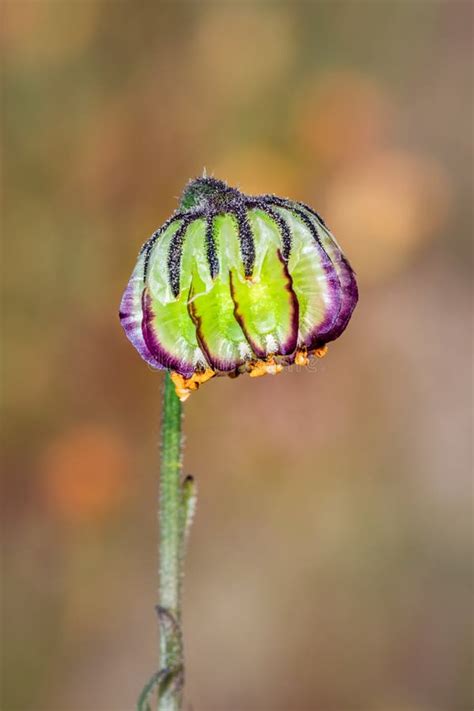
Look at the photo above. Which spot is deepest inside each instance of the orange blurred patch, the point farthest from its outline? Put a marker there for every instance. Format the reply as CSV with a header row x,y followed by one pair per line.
x,y
238,48
84,473
342,116
37,33
385,208
255,170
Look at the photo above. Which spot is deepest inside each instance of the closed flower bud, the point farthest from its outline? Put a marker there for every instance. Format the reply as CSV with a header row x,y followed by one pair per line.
x,y
233,283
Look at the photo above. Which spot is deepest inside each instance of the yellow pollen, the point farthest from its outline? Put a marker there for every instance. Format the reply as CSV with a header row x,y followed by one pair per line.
x,y
257,369
185,386
262,367
320,352
201,378
274,368
301,357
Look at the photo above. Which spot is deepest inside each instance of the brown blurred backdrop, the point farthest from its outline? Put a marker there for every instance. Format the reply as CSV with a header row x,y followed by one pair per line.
x,y
329,565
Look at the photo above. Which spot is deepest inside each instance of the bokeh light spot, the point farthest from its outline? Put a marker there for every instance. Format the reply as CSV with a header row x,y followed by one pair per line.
x,y
84,473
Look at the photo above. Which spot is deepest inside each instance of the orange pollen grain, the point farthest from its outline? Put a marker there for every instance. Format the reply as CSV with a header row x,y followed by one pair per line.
x,y
320,352
257,369
185,386
264,367
301,357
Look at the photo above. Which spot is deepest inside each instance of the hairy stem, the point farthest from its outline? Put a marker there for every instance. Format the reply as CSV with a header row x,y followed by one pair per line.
x,y
171,552
164,691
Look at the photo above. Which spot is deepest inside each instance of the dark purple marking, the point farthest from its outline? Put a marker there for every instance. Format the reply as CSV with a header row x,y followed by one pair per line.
x,y
288,346
212,258
162,355
247,245
259,352
148,246
175,252
349,290
224,366
282,227
332,280
133,329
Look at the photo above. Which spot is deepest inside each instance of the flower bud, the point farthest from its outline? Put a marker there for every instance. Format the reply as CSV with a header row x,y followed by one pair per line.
x,y
233,283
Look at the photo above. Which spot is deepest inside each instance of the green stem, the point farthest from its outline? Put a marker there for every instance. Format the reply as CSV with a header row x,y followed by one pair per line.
x,y
171,542
170,500
177,505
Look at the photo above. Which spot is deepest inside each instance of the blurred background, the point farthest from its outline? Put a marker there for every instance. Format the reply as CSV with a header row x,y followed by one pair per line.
x,y
329,564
